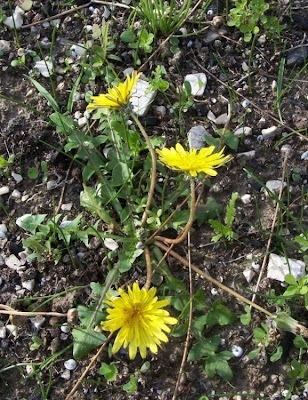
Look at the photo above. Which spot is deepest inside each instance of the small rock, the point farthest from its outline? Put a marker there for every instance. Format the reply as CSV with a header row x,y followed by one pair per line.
x,y
222,119
213,34
37,321
246,198
249,155
66,206
111,244
94,243
4,190
197,82
244,131
44,67
70,364
65,223
245,103
13,262
78,50
5,46
65,328
82,122
29,285
142,97
72,316
160,111
255,266
244,66
211,116
278,268
55,22
287,149
106,13
249,274
237,351
304,156
16,194
196,137
51,185
17,177
274,186
269,133
297,56
12,329
2,332
66,375
15,21
54,345
3,231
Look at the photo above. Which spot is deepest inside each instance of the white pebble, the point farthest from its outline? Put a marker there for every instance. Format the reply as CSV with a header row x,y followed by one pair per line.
x,y
16,194
37,321
268,133
82,122
244,66
17,177
304,156
249,155
3,229
237,350
111,244
4,190
255,266
246,198
2,332
245,103
29,285
78,50
15,21
55,22
12,329
65,328
44,67
66,375
70,364
222,119
214,292
244,131
248,274
13,262
287,149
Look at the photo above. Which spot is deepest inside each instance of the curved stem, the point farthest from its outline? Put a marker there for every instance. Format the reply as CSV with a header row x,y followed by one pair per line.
x,y
190,221
153,176
149,267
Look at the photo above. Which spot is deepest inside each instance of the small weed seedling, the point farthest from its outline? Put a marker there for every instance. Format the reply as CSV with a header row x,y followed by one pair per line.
x,y
225,231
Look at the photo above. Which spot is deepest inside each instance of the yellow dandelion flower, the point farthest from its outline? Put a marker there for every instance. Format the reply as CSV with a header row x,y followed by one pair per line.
x,y
141,320
117,96
193,161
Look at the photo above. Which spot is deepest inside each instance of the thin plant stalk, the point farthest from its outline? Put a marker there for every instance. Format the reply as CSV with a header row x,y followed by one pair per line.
x,y
153,176
190,221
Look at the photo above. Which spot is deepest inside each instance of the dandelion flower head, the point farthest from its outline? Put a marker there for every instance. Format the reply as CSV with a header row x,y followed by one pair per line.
x,y
193,162
117,96
140,319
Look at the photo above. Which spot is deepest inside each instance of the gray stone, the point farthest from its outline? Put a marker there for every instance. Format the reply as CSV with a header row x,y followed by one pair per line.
x,y
221,119
111,244
17,177
78,50
3,230
44,67
70,364
142,97
197,82
37,321
213,34
29,285
16,194
160,111
82,122
278,268
269,133
287,149
249,155
13,262
15,21
5,46
196,137
249,274
243,131
274,185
